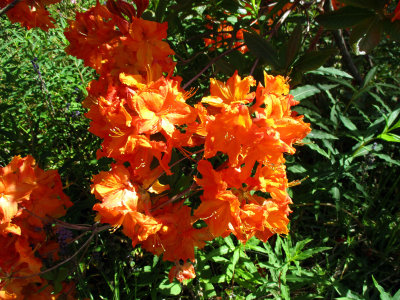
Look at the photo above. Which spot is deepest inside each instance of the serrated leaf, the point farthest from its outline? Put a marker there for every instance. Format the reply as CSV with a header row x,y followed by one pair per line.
x,y
313,60
347,16
310,252
330,71
235,257
392,117
370,75
318,149
347,123
219,259
297,169
387,158
305,91
219,251
318,134
397,125
262,49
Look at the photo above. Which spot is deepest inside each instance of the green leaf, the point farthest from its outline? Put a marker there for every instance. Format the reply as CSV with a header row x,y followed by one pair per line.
x,y
392,117
229,242
370,75
347,16
335,192
304,92
313,60
235,257
387,158
262,49
297,169
396,296
310,252
318,134
383,294
347,123
389,137
397,125
317,148
167,288
330,71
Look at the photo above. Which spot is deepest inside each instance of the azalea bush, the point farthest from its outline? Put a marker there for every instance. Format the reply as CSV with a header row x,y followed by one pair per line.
x,y
176,129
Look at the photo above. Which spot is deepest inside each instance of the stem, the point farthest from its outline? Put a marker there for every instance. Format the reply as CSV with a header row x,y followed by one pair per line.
x,y
174,164
254,66
9,6
193,187
334,206
339,39
282,19
95,231
210,64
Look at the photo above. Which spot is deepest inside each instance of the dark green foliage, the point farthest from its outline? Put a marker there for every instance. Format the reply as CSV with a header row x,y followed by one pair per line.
x,y
345,226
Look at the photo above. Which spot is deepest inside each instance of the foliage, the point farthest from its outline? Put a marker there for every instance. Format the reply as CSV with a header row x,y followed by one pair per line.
x,y
344,239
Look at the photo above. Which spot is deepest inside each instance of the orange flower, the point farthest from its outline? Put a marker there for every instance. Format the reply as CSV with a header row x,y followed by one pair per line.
x,y
30,13
30,196
219,207
16,184
228,132
234,91
111,45
396,13
92,34
161,106
177,237
182,272
337,4
125,203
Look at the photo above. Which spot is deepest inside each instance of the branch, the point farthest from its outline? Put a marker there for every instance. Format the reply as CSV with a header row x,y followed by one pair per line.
x,y
210,64
340,42
95,231
9,6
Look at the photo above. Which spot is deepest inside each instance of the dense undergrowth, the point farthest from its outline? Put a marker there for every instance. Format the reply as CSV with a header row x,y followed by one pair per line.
x,y
344,240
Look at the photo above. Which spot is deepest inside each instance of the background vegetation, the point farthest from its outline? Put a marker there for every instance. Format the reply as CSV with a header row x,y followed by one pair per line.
x,y
344,68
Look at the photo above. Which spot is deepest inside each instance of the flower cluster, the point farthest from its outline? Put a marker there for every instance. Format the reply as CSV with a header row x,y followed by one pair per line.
x,y
224,36
142,116
30,13
29,198
253,129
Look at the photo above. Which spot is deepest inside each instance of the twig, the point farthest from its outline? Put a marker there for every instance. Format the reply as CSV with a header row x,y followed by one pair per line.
x,y
193,187
95,231
331,205
210,64
174,164
9,6
339,39
254,66
282,19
